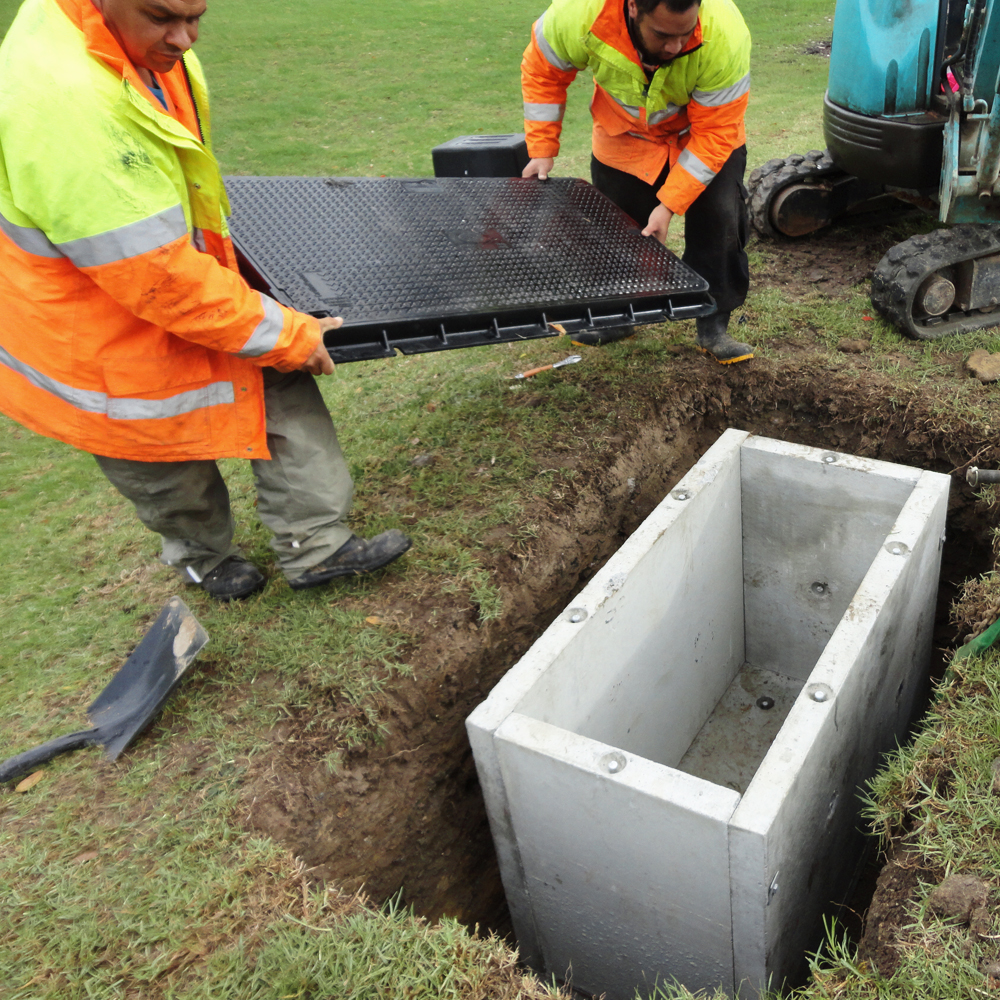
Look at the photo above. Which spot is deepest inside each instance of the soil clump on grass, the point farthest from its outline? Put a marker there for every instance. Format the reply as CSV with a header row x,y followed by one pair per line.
x,y
895,892
408,814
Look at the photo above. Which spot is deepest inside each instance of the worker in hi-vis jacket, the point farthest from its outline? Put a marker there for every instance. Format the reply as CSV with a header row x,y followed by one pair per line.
x,y
671,84
127,330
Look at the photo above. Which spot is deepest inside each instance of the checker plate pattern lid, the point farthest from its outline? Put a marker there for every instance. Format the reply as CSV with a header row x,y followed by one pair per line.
x,y
404,260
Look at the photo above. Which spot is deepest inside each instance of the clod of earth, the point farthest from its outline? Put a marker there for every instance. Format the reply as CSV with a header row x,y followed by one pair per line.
x,y
981,922
853,346
889,911
985,366
995,768
821,48
960,897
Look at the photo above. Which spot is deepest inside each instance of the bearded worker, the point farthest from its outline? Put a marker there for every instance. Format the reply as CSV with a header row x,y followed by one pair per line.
x,y
126,328
671,84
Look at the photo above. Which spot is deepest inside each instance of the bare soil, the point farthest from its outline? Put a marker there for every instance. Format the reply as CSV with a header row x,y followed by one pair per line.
x,y
897,886
408,814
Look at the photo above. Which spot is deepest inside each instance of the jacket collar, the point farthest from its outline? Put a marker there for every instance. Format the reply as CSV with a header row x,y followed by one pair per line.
x,y
99,40
611,27
101,44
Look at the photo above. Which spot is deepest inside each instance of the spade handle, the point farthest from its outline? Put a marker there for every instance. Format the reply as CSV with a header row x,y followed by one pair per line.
x,y
25,763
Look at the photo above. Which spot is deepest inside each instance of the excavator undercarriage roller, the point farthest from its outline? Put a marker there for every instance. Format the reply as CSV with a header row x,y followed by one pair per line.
x,y
941,283
800,194
771,185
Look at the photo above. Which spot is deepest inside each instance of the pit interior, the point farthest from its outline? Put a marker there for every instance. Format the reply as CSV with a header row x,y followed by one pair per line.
x,y
721,621
407,817
730,746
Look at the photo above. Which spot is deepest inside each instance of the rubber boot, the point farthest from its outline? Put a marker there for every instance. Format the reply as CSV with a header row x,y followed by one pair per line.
x,y
598,338
714,339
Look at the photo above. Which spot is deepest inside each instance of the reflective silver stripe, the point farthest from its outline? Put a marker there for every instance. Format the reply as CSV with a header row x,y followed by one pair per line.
x,y
548,51
32,241
127,241
268,330
695,167
668,112
632,109
82,399
123,409
214,394
715,98
198,240
544,112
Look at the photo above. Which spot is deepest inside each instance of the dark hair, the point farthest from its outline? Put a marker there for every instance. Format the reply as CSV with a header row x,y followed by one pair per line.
x,y
675,6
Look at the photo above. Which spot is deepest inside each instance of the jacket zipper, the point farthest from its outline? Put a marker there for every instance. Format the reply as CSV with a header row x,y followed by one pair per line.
x,y
194,103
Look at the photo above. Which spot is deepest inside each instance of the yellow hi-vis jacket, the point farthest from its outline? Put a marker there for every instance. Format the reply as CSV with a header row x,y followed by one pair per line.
x,y
125,329
690,113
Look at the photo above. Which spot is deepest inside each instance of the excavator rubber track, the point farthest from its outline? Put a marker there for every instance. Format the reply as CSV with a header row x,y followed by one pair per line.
x,y
766,183
904,269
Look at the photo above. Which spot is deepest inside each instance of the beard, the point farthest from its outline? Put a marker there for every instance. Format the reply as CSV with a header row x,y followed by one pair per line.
x,y
644,54
648,59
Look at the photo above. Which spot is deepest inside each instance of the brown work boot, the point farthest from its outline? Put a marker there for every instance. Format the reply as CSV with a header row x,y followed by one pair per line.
x,y
713,338
355,556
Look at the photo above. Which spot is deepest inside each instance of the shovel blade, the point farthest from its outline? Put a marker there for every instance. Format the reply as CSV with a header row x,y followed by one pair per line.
x,y
147,678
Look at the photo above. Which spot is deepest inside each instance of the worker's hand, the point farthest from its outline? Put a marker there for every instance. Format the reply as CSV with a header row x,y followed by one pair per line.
x,y
659,223
320,362
540,167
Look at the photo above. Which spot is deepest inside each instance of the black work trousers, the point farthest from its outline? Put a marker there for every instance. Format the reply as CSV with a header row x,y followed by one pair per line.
x,y
715,226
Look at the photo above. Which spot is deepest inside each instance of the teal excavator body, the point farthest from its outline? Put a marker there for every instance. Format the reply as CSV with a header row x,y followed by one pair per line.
x,y
878,114
911,113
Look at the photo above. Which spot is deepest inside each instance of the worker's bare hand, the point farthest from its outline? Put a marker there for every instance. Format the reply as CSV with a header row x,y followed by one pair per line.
x,y
320,362
540,167
659,223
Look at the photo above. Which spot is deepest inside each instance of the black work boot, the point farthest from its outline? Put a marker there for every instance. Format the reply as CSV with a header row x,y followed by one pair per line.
x,y
714,339
233,579
598,338
355,556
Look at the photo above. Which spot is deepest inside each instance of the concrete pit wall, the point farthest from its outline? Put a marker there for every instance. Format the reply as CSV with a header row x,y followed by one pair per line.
x,y
671,770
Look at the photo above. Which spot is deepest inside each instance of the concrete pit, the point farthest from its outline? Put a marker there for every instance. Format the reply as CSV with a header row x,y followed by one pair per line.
x,y
704,713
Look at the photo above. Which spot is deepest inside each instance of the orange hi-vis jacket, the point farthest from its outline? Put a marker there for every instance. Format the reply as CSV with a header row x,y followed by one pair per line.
x,y
690,113
125,329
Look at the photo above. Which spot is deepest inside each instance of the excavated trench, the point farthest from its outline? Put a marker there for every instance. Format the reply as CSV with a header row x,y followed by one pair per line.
x,y
408,815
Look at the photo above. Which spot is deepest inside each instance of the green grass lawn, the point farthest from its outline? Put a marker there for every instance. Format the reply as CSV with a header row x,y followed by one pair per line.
x,y
141,879
331,89
344,88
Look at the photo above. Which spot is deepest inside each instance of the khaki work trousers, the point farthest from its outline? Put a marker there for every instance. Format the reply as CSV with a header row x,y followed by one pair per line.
x,y
304,490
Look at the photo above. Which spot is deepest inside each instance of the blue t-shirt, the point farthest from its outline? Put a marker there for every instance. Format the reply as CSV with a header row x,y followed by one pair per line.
x,y
158,92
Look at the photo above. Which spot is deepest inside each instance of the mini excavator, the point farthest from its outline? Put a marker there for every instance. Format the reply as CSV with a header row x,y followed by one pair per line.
x,y
911,113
